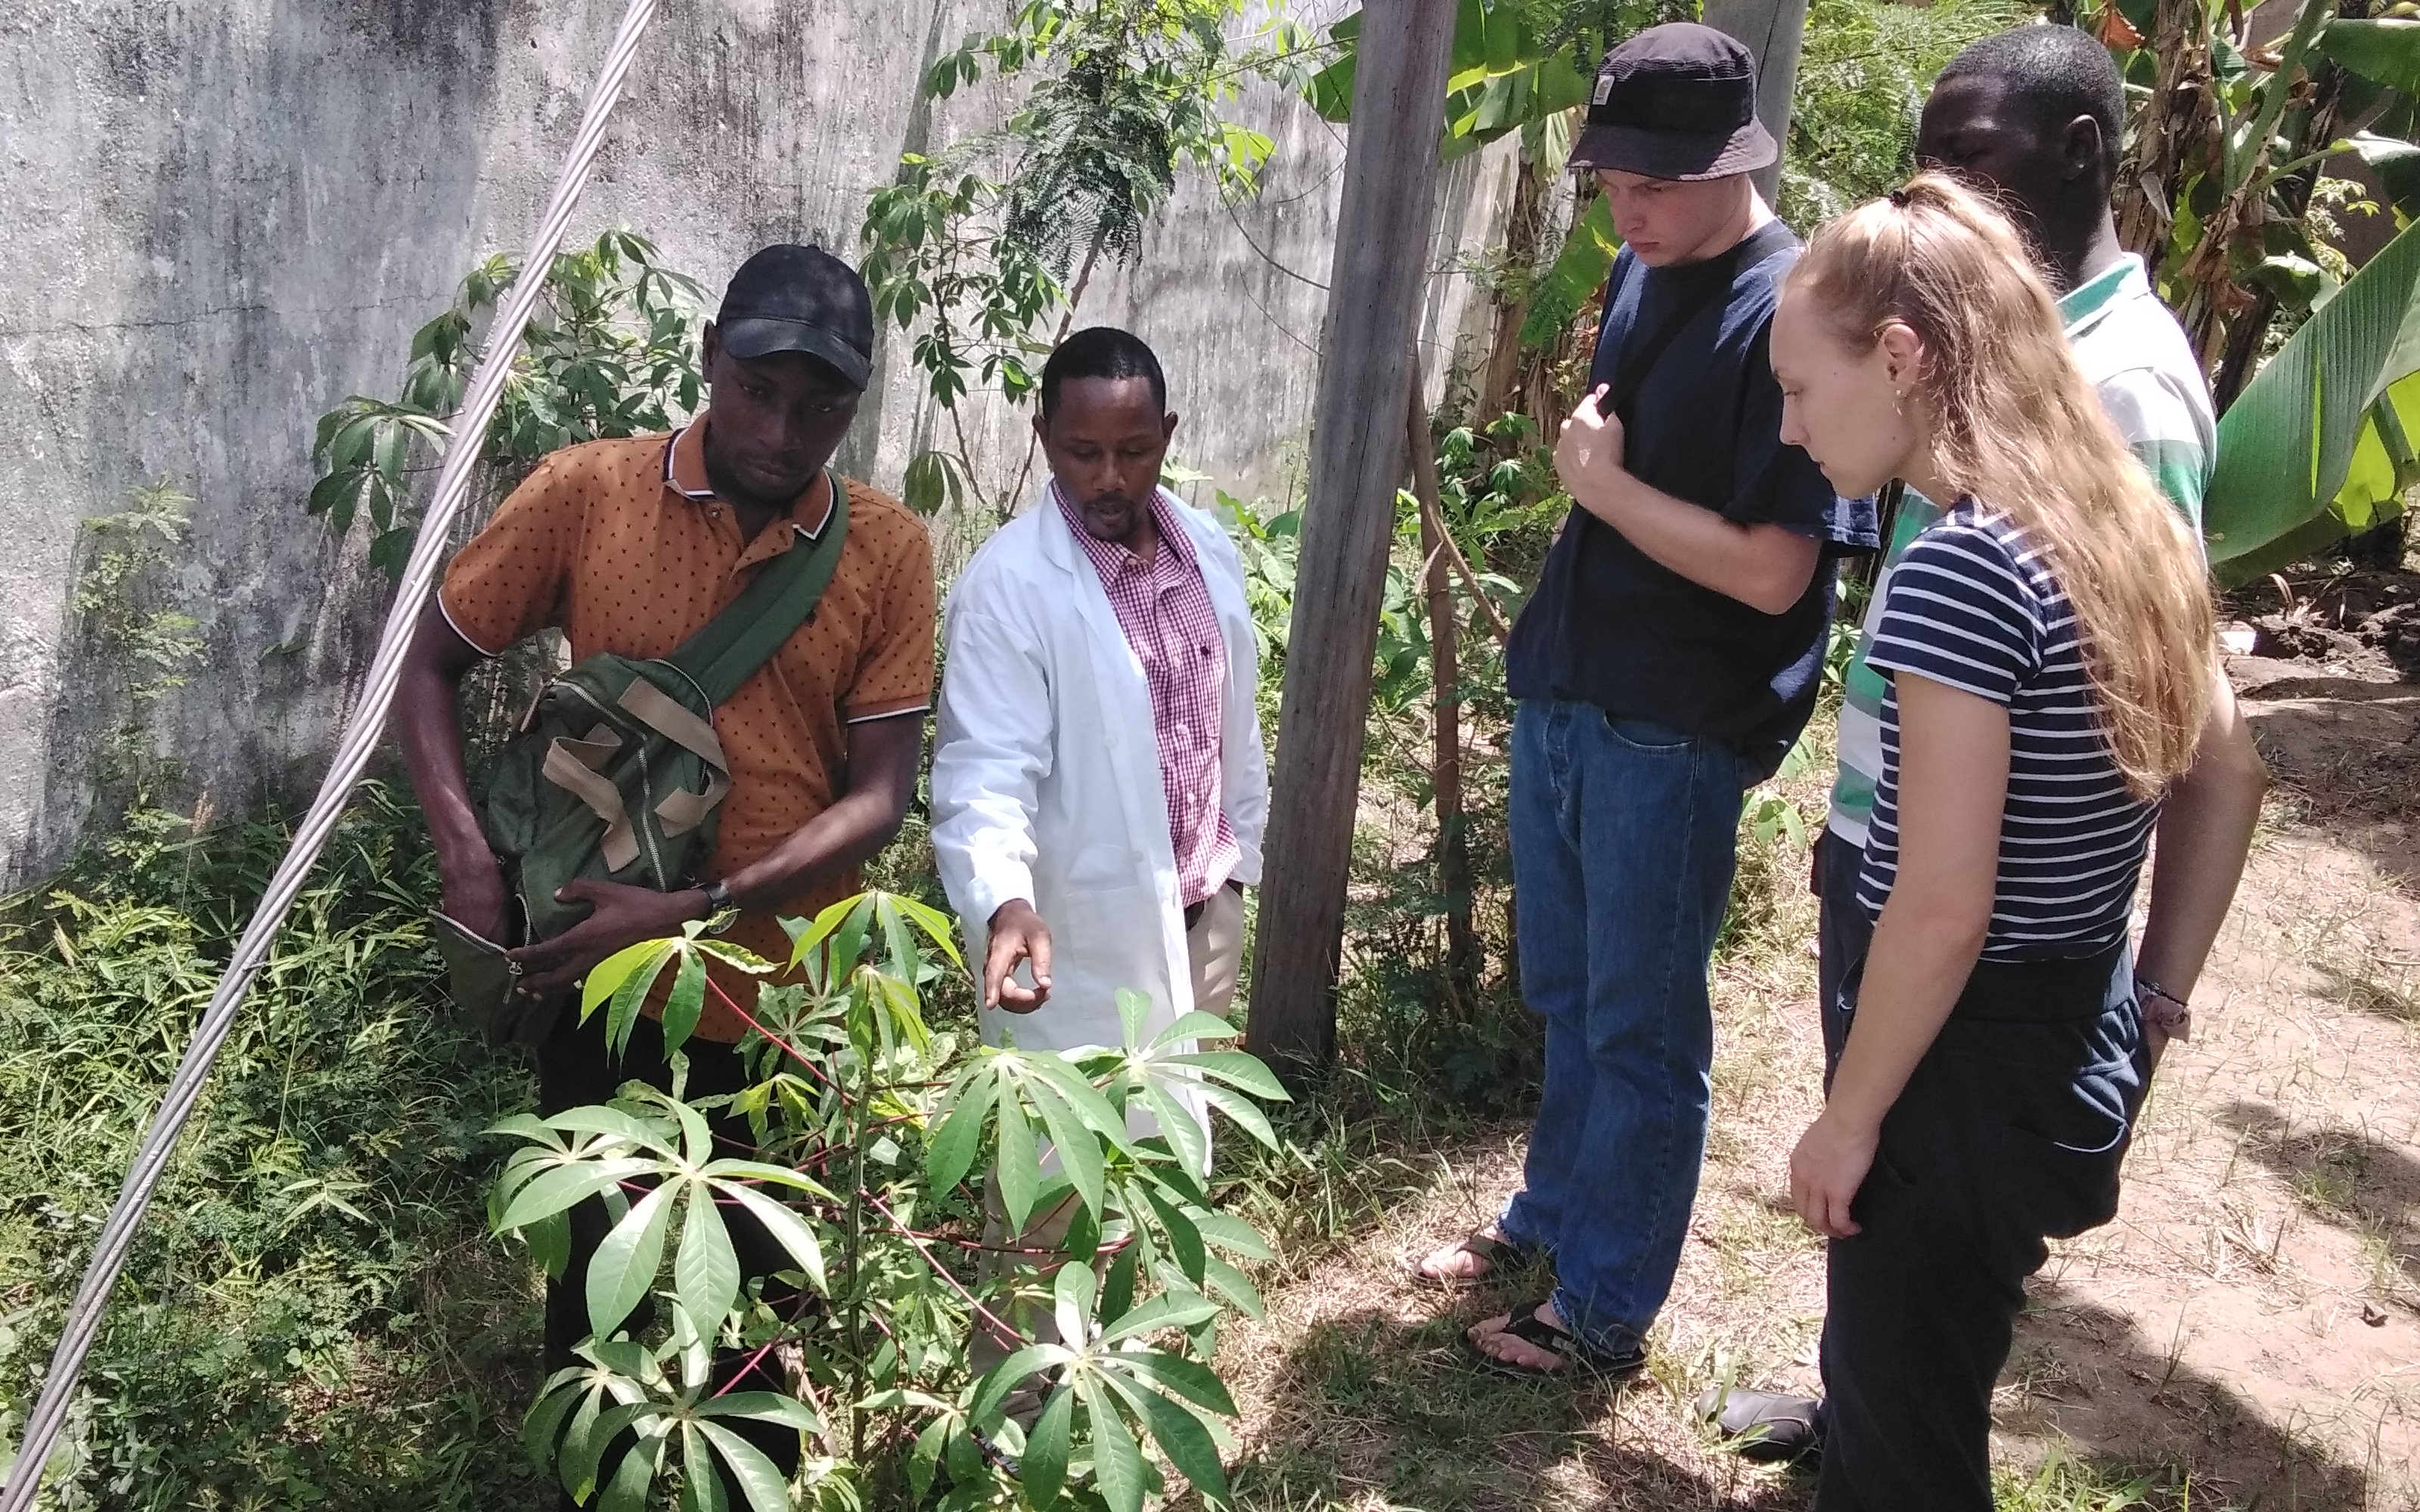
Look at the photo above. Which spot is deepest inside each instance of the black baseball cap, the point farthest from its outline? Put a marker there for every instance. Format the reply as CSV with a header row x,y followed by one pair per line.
x,y
794,298
1675,102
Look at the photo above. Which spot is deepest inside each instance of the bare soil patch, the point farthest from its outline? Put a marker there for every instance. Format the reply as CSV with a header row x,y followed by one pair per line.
x,y
2246,1334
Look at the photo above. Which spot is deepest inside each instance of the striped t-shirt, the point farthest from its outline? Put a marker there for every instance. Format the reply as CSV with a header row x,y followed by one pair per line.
x,y
1973,606
2150,386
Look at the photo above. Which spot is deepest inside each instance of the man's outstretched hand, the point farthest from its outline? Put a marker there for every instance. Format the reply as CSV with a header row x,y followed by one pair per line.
x,y
1018,934
618,915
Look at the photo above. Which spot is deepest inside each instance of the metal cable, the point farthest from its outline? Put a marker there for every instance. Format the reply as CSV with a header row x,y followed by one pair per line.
x,y
361,738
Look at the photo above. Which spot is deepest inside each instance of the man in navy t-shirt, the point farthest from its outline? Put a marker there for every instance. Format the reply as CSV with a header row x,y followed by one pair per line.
x,y
1667,661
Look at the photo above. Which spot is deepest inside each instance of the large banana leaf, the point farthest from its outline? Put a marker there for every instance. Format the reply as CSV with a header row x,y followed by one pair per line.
x,y
1502,78
2319,441
2385,50
1579,271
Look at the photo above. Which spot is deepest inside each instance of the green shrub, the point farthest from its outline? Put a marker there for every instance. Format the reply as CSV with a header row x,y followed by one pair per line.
x,y
312,1315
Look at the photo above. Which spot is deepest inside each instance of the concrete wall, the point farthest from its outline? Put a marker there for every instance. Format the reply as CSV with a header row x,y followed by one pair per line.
x,y
223,216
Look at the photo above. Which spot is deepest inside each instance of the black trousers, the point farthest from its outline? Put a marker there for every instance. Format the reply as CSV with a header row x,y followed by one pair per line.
x,y
576,1069
2010,1132
1844,933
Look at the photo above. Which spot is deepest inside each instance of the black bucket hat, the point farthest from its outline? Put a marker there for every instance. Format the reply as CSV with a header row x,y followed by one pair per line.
x,y
1675,102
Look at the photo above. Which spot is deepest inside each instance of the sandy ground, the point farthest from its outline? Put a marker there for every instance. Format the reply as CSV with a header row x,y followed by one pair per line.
x,y
2247,1334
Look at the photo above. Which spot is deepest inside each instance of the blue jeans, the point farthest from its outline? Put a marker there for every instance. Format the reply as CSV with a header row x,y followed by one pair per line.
x,y
1624,835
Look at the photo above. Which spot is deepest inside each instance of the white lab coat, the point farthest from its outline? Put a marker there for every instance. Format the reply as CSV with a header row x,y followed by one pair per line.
x,y
1045,774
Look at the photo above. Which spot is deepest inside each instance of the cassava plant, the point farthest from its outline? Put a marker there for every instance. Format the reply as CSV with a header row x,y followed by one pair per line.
x,y
870,1126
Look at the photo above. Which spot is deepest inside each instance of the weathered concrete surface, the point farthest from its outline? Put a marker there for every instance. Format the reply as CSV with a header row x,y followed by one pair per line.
x,y
223,216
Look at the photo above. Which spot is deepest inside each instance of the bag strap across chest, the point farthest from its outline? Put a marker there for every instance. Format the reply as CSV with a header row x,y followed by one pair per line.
x,y
783,596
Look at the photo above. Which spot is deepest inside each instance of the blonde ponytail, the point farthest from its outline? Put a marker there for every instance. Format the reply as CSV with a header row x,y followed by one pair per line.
x,y
2017,425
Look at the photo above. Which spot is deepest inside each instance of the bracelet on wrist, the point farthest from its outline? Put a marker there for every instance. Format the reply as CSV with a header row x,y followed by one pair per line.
x,y
2164,1010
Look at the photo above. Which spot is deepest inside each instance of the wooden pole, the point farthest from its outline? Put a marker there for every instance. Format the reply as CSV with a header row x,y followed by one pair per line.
x,y
1773,30
1357,459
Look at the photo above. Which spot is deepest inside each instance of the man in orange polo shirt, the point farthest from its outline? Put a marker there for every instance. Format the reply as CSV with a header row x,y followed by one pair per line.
x,y
630,547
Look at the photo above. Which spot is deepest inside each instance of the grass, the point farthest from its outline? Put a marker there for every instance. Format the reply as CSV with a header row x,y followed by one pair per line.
x,y
313,1315
2066,1483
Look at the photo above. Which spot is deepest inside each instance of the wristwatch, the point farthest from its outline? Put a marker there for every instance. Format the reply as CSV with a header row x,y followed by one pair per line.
x,y
718,900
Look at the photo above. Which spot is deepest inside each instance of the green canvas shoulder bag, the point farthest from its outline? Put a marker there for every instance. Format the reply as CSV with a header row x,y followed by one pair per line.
x,y
617,776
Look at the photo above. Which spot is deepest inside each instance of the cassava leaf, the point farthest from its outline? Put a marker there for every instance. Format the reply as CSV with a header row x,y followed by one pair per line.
x,y
608,976
1004,1376
706,1269
792,1232
1246,1113
1079,1152
626,1263
950,1152
1043,1467
1169,1309
701,1487
1179,1375
1017,1167
1117,1462
567,1186
1185,1137
1182,1438
1134,1015
688,999
766,1488
1238,1068
1196,1025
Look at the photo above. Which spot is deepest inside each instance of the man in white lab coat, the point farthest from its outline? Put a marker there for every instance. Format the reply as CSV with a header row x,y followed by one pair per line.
x,y
1099,786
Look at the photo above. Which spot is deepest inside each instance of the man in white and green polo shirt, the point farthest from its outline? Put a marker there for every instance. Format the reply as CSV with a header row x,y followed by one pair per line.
x,y
2035,115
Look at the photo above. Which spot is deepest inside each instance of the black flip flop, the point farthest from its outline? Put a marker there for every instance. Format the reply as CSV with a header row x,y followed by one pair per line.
x,y
1530,1329
1500,1255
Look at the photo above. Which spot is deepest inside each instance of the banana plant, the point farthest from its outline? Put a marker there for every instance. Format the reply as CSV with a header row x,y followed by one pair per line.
x,y
1504,74
2316,441
2320,442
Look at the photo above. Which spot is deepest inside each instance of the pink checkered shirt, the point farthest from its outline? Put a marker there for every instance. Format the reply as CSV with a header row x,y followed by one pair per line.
x,y
1173,626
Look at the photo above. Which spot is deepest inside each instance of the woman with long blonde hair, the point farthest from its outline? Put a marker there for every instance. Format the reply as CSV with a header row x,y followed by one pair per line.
x,y
2052,671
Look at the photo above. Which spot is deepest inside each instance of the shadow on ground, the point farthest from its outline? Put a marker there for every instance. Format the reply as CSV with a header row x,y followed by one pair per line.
x,y
1366,1404
2090,1373
2361,1184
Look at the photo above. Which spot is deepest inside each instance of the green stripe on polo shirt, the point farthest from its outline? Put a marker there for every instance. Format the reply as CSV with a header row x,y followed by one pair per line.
x,y
2080,304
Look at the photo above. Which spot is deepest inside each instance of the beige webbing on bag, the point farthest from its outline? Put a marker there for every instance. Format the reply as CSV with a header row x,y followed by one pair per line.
x,y
577,766
682,811
564,769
